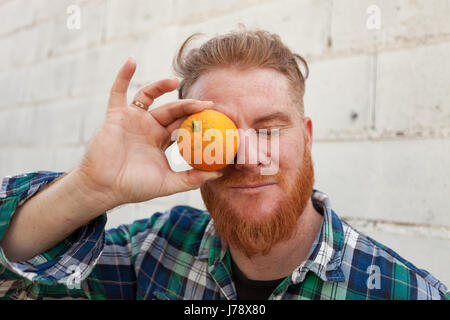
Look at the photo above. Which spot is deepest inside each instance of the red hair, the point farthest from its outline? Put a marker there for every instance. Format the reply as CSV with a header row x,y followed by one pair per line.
x,y
245,49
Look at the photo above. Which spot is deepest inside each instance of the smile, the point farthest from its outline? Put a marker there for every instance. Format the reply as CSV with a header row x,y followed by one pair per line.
x,y
253,187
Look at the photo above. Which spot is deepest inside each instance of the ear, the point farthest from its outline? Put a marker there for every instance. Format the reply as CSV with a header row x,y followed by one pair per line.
x,y
308,131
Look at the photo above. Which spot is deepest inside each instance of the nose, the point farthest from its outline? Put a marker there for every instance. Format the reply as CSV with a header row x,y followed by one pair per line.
x,y
251,152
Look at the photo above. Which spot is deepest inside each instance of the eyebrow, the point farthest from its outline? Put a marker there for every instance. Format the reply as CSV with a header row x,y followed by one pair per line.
x,y
279,116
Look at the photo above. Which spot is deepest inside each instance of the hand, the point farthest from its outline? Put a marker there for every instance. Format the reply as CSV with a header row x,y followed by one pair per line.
x,y
124,161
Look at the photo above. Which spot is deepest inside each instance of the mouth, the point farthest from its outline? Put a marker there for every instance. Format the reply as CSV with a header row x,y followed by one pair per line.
x,y
253,187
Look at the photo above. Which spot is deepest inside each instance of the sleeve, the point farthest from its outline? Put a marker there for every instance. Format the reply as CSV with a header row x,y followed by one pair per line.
x,y
61,271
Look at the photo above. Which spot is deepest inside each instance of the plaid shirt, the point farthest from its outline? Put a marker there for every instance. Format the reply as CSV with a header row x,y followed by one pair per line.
x,y
179,255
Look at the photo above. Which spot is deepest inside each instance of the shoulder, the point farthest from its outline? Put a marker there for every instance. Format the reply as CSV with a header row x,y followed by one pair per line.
x,y
376,271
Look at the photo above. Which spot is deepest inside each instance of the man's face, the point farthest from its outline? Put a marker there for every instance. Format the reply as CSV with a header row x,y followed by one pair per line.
x,y
258,99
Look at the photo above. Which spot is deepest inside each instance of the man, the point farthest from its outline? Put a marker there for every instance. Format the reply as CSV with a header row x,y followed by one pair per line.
x,y
263,236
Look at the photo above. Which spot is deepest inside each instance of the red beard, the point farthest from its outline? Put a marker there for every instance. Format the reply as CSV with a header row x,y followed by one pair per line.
x,y
258,237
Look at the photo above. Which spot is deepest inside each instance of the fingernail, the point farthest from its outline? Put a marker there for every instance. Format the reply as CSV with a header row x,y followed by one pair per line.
x,y
131,59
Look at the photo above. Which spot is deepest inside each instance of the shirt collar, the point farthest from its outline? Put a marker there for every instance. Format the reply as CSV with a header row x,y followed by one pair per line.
x,y
324,257
211,246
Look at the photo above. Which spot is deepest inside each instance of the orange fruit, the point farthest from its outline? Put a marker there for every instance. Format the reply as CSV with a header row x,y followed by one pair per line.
x,y
208,140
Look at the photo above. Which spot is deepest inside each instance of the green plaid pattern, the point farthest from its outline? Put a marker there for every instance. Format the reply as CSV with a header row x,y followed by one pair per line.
x,y
179,255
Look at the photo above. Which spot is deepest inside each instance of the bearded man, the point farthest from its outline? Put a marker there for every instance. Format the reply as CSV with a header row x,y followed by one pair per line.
x,y
262,237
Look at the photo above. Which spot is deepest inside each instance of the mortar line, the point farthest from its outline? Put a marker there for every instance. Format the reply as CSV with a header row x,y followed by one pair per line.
x,y
330,27
396,223
373,91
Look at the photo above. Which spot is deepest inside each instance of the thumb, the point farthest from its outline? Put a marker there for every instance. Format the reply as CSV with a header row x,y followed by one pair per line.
x,y
191,179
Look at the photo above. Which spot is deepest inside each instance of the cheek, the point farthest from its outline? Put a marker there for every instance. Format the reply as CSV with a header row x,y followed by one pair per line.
x,y
290,151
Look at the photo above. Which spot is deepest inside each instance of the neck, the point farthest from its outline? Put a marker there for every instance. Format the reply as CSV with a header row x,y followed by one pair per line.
x,y
284,257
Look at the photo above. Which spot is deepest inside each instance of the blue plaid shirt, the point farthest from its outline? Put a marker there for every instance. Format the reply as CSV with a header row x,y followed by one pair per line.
x,y
179,255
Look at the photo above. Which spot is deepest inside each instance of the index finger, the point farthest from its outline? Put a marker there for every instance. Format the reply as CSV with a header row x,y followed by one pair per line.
x,y
170,112
150,92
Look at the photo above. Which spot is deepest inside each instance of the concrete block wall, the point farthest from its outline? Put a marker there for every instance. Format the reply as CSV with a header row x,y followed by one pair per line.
x,y
379,97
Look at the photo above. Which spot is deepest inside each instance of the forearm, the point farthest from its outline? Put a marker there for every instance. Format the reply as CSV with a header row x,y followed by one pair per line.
x,y
50,216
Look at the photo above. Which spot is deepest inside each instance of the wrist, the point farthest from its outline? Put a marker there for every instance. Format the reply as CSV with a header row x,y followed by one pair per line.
x,y
91,201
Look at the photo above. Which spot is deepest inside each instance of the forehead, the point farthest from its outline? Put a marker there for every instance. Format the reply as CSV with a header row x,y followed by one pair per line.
x,y
245,95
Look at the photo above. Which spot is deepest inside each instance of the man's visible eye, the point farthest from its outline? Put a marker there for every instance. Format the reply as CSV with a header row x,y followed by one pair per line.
x,y
266,132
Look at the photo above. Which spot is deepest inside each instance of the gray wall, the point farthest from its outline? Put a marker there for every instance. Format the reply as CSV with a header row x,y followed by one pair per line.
x,y
379,98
